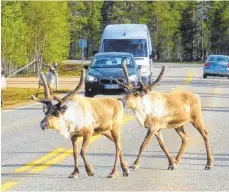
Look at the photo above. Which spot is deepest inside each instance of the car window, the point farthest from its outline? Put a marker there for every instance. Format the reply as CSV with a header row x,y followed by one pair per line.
x,y
218,58
112,62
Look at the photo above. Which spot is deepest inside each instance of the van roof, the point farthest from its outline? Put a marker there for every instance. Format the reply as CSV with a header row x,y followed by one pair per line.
x,y
125,31
113,54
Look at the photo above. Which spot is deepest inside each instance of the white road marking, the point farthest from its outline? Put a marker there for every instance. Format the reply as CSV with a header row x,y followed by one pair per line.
x,y
5,111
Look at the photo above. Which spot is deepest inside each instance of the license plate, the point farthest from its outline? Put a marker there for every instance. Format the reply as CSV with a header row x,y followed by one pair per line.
x,y
218,67
111,86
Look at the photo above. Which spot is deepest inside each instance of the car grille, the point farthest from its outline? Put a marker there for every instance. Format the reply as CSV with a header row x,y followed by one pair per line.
x,y
120,80
109,81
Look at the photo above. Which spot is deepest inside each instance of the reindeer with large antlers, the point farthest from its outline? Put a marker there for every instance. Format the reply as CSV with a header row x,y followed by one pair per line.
x,y
77,116
157,111
50,78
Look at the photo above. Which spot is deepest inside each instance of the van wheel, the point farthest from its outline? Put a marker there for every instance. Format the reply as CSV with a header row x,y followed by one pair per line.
x,y
204,76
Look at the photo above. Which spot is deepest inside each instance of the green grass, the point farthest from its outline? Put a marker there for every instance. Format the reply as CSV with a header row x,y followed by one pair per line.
x,y
13,96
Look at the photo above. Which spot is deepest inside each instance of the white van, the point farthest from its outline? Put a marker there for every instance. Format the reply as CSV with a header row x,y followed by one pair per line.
x,y
130,38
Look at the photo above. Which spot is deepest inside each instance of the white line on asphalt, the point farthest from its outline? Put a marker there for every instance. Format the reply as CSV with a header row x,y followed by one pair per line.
x,y
5,111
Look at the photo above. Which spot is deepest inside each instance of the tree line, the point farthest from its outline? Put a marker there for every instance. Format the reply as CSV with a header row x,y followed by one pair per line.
x,y
180,30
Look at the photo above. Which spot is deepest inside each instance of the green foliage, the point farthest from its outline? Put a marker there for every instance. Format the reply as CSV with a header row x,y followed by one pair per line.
x,y
34,28
51,29
14,30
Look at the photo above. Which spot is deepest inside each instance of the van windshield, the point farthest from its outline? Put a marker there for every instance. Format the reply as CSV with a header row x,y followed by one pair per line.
x,y
112,62
137,47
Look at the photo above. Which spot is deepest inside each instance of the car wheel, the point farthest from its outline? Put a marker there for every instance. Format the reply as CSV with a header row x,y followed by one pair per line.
x,y
89,94
204,76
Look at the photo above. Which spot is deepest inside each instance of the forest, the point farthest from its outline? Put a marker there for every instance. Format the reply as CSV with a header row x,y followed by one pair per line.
x,y
180,30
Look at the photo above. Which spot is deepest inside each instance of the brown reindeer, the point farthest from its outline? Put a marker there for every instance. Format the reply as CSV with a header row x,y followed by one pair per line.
x,y
157,111
77,116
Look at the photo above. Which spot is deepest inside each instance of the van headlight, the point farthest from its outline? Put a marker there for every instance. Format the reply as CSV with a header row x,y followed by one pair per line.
x,y
133,78
91,78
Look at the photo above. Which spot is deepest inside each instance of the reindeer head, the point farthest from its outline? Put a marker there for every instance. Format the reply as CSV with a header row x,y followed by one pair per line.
x,y
51,68
134,96
54,113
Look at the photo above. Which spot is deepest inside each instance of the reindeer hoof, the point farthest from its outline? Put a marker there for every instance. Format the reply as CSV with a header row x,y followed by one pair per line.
x,y
90,174
126,173
89,170
112,175
208,167
73,176
171,167
134,166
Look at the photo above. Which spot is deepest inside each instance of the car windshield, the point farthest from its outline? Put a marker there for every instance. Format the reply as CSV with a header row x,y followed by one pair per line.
x,y
112,61
218,58
137,47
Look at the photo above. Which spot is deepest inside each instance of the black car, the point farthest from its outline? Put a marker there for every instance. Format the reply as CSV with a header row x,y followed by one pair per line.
x,y
105,67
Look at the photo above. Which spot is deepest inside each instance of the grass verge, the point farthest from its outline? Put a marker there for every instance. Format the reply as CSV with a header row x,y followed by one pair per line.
x,y
15,96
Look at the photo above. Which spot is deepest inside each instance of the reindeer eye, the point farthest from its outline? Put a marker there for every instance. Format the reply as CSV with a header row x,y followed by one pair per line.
x,y
56,113
136,93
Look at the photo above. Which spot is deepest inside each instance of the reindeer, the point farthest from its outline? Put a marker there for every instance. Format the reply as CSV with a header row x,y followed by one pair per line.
x,y
76,116
3,87
157,111
50,78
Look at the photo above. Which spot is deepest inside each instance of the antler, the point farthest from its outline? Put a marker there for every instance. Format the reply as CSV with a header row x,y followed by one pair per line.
x,y
129,85
46,65
75,91
66,98
48,97
159,78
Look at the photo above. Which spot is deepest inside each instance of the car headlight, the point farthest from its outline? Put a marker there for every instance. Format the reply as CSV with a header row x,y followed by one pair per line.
x,y
133,78
91,78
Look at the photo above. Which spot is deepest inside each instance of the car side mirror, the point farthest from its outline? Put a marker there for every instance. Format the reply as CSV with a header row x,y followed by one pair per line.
x,y
94,52
86,66
153,54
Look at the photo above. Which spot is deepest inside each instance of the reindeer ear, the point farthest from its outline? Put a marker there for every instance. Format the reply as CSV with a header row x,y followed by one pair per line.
x,y
63,108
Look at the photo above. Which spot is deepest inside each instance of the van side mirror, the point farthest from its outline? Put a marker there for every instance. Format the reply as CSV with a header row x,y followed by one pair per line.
x,y
139,67
94,52
153,54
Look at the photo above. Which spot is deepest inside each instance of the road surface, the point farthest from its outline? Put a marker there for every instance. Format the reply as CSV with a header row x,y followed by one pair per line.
x,y
36,160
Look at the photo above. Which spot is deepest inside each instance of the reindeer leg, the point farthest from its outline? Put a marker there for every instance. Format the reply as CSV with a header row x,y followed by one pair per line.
x,y
38,89
75,173
145,143
185,139
116,137
2,97
199,126
86,142
164,148
124,165
50,89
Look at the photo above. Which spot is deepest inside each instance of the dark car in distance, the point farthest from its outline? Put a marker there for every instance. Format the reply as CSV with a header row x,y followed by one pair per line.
x,y
105,67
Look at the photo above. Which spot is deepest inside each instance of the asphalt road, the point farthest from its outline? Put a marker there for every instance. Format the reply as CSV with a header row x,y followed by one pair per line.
x,y
36,160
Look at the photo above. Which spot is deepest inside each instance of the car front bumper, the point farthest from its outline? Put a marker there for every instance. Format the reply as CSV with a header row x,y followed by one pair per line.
x,y
97,87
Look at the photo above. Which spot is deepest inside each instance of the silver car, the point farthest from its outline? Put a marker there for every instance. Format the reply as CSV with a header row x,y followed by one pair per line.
x,y
216,65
